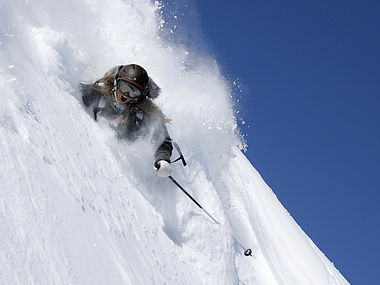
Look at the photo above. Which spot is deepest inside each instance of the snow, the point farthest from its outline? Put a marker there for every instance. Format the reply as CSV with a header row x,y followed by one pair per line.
x,y
80,207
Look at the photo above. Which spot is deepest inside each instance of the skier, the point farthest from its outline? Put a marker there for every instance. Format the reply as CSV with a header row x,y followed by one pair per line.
x,y
125,97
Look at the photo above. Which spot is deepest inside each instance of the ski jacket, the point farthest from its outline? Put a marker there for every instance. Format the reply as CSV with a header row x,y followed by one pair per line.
x,y
132,121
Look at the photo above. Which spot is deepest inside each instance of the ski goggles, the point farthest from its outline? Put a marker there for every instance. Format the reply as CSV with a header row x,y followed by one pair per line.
x,y
128,89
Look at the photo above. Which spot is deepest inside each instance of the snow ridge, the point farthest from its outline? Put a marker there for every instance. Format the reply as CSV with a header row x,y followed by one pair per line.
x,y
80,207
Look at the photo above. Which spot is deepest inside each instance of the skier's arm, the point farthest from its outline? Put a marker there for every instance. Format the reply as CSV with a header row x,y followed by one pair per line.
x,y
160,137
164,151
162,158
164,143
89,95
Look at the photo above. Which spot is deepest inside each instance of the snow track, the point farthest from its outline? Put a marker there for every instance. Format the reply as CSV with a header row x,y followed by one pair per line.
x,y
79,207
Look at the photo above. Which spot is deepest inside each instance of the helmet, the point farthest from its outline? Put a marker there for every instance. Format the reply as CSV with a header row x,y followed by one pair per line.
x,y
134,74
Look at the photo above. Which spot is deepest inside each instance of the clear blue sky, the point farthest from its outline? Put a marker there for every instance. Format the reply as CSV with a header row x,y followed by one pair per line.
x,y
310,72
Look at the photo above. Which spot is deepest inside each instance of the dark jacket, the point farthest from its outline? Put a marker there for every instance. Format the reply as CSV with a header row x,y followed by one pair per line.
x,y
131,122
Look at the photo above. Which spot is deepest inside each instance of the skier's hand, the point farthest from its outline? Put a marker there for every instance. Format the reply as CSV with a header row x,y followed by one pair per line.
x,y
162,168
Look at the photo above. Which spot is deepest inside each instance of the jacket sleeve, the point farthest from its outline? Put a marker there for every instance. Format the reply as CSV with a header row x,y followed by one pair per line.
x,y
89,95
164,143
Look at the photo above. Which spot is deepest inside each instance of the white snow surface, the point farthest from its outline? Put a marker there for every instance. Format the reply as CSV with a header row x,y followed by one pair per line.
x,y
77,206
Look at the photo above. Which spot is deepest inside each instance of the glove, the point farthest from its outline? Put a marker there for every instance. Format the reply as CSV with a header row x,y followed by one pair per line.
x,y
162,168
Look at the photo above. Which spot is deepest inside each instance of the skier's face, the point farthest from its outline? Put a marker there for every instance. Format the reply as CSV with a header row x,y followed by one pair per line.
x,y
126,92
121,98
128,89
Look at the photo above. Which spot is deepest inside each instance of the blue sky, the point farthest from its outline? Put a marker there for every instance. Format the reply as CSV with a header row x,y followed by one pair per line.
x,y
310,75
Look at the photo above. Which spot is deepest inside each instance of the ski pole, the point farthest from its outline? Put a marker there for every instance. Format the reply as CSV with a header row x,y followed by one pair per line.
x,y
192,199
247,251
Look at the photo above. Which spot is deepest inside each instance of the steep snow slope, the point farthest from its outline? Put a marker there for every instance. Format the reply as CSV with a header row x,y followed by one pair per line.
x,y
79,207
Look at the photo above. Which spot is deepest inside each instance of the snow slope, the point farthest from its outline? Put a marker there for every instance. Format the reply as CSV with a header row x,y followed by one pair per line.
x,y
79,207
